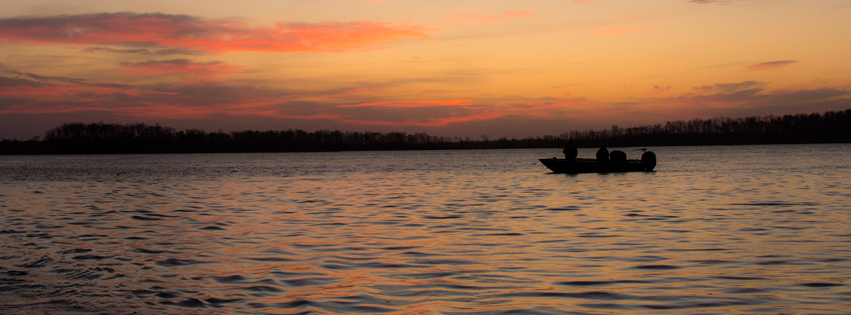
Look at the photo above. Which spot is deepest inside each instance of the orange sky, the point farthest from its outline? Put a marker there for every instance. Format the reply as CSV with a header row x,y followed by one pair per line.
x,y
451,68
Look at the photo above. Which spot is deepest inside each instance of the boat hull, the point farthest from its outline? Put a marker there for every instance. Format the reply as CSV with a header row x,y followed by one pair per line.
x,y
593,166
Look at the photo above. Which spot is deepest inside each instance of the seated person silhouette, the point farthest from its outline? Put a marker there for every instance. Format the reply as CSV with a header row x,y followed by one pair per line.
x,y
570,151
603,154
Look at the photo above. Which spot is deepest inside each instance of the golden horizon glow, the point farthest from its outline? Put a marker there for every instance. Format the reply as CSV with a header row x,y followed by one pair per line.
x,y
445,68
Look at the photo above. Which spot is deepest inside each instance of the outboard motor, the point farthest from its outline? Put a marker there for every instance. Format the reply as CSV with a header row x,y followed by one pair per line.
x,y
648,159
617,156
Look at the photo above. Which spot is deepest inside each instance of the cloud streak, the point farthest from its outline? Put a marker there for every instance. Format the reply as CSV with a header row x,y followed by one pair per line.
x,y
357,106
199,71
428,122
657,89
411,104
750,94
37,94
49,78
182,32
52,88
144,51
770,65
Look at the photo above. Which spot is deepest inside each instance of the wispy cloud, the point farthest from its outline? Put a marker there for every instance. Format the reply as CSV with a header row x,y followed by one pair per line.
x,y
53,88
734,87
740,96
657,89
48,78
411,104
357,106
771,65
487,19
199,71
38,94
425,122
145,51
213,36
739,99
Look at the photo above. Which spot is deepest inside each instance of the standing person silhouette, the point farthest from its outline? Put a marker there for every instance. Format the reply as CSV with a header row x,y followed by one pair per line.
x,y
570,151
603,154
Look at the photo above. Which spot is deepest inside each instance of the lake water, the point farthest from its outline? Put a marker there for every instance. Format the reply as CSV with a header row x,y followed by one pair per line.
x,y
715,230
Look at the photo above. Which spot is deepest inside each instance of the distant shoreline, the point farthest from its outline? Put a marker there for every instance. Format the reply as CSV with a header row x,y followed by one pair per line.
x,y
397,150
100,138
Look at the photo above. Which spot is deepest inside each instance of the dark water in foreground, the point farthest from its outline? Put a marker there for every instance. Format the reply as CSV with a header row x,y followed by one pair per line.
x,y
716,230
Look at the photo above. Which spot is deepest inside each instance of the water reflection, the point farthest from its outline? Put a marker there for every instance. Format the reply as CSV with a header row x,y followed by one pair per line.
x,y
463,233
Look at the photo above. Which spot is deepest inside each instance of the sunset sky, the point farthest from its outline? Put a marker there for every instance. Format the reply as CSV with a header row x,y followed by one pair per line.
x,y
451,68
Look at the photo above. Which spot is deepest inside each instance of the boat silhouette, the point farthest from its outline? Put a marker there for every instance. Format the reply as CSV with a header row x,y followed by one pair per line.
x,y
646,164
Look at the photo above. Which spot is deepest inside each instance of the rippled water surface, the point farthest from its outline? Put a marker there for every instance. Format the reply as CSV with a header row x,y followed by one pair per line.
x,y
715,230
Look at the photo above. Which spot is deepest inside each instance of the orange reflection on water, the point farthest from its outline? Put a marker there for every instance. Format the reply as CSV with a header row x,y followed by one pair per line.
x,y
423,241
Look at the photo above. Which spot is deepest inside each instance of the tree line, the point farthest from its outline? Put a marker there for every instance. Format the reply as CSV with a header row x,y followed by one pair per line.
x,y
102,138
830,127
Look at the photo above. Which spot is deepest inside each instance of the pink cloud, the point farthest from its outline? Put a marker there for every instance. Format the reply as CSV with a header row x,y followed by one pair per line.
x,y
75,98
582,1
349,92
468,112
199,71
552,108
485,19
146,110
354,119
58,89
247,104
428,122
165,111
413,104
50,110
60,93
200,100
565,94
50,92
214,36
770,65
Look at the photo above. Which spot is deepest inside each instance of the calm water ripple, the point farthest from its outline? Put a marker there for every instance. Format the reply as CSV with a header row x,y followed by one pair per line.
x,y
748,229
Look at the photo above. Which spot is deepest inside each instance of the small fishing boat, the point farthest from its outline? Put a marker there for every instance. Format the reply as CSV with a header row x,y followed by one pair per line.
x,y
645,164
